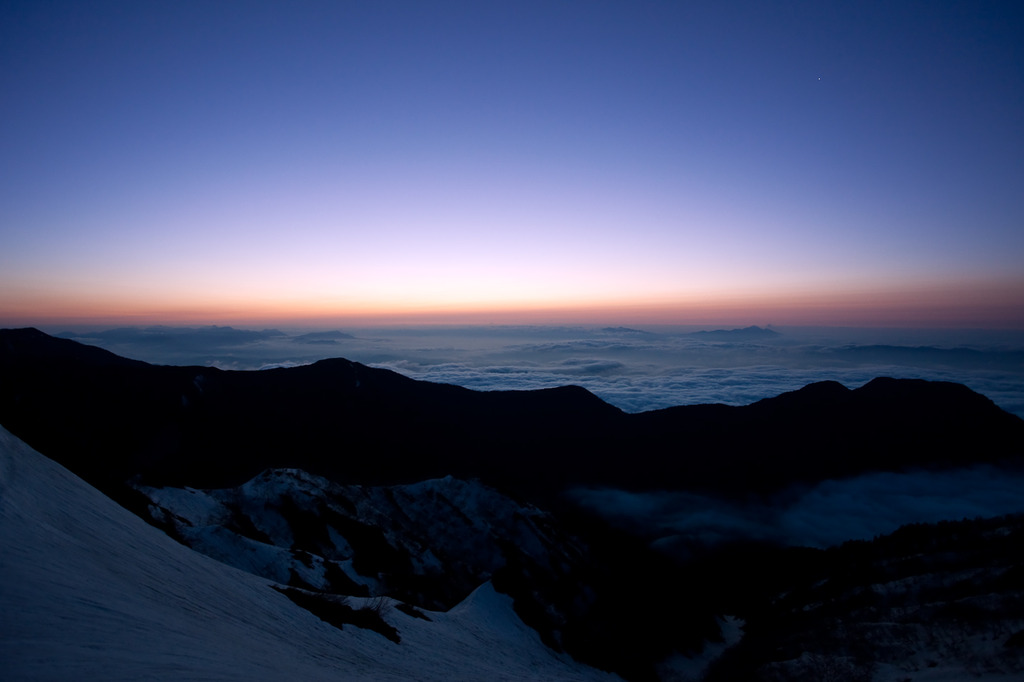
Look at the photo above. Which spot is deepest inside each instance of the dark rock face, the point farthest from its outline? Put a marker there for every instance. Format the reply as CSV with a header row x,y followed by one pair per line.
x,y
429,543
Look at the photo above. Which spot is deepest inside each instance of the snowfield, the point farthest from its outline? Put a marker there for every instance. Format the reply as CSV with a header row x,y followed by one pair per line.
x,y
90,591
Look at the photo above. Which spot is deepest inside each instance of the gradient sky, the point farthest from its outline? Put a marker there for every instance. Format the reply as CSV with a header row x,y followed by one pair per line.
x,y
723,162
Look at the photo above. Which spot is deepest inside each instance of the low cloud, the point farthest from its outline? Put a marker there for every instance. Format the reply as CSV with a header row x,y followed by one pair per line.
x,y
866,506
826,514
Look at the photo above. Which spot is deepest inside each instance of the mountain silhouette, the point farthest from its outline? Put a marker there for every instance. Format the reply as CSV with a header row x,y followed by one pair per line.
x,y
752,333
109,419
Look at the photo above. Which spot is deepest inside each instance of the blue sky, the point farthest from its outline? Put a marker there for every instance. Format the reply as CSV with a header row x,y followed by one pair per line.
x,y
735,162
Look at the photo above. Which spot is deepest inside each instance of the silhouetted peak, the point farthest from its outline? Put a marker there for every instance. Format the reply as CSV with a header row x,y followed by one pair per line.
x,y
333,363
745,334
24,335
811,395
936,397
31,343
919,390
823,388
623,330
571,398
911,387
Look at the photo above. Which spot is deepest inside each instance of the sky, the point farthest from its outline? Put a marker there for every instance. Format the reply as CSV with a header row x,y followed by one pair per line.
x,y
855,164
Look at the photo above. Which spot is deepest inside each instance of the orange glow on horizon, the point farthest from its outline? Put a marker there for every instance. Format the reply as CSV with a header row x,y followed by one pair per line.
x,y
964,306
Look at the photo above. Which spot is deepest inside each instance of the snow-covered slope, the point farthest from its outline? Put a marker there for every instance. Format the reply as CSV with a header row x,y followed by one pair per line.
x,y
89,591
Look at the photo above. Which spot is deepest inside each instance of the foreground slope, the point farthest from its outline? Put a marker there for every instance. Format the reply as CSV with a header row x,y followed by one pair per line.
x,y
89,591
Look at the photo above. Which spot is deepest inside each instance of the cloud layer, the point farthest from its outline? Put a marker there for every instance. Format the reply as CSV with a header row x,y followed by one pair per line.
x,y
826,514
632,369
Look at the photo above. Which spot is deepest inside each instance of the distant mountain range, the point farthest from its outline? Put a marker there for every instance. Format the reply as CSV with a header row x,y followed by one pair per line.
x,y
323,338
752,333
336,480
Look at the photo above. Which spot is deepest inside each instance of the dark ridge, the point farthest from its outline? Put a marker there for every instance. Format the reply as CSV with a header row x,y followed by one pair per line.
x,y
31,345
827,431
624,330
110,419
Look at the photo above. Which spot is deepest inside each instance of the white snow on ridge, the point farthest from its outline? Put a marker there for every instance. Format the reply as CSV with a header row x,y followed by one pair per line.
x,y
439,525
89,591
